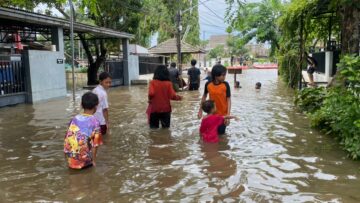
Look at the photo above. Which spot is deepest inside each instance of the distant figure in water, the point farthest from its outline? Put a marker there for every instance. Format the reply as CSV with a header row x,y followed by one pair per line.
x,y
160,93
258,85
83,135
208,77
211,123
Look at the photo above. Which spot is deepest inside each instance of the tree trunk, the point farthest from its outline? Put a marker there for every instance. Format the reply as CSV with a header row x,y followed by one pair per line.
x,y
350,19
350,39
93,65
301,50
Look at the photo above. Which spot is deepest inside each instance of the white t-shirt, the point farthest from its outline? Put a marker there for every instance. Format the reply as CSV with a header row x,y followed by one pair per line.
x,y
103,103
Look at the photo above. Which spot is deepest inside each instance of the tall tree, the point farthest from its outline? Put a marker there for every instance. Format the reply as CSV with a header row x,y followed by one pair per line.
x,y
256,21
189,20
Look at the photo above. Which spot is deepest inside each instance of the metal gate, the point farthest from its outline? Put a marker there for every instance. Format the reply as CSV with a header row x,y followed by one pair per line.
x,y
148,64
12,75
116,70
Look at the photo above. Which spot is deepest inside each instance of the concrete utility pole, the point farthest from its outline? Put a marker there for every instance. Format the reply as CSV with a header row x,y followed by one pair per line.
x,y
72,46
179,28
178,39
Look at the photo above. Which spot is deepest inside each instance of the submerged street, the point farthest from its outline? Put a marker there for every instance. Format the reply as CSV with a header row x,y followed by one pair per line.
x,y
270,154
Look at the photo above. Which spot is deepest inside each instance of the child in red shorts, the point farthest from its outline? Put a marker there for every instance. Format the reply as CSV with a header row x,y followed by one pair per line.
x,y
211,122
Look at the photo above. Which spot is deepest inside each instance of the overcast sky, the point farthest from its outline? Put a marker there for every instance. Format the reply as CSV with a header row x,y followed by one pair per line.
x,y
211,24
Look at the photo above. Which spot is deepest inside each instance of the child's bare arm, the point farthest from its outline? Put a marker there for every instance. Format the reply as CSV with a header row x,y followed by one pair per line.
x,y
203,99
231,117
94,151
106,116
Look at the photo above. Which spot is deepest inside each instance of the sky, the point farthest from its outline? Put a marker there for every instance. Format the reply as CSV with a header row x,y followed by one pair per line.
x,y
211,24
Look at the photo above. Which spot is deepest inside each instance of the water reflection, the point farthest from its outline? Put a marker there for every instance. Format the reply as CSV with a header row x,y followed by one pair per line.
x,y
270,155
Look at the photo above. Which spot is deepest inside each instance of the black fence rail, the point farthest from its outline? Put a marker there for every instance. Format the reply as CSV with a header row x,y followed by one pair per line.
x,y
12,77
148,64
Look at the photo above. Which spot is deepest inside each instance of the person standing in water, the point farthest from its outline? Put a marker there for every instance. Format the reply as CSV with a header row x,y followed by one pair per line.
x,y
83,135
219,91
194,76
160,93
102,112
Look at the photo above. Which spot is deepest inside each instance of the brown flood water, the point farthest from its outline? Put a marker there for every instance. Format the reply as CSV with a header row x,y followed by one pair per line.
x,y
270,155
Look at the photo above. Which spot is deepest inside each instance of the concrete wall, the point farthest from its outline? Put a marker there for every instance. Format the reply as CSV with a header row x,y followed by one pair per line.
x,y
133,68
45,76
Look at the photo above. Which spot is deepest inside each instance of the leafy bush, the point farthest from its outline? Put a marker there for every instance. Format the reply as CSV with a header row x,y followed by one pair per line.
x,y
339,116
288,68
336,111
310,99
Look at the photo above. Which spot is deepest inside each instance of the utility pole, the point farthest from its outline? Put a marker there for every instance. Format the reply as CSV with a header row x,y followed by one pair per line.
x,y
179,28
72,46
204,49
178,39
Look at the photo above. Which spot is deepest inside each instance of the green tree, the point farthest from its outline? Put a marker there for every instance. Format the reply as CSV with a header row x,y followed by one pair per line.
x,y
216,52
236,46
256,20
167,14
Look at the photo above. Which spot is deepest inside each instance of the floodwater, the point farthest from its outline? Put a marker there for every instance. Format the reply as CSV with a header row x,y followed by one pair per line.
x,y
269,155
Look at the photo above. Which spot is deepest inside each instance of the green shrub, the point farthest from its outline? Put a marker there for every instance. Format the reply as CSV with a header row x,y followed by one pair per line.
x,y
310,99
336,111
339,116
83,70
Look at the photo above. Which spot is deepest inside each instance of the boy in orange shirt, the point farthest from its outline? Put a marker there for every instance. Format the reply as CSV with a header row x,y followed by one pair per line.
x,y
219,92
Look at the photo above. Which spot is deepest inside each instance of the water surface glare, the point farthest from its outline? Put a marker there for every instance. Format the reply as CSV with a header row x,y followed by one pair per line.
x,y
270,155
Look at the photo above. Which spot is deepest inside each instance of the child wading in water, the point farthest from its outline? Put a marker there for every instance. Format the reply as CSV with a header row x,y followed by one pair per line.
x,y
219,92
211,122
83,135
102,113
160,93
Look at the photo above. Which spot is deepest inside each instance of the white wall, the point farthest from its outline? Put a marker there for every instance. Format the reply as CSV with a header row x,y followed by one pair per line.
x,y
133,68
45,77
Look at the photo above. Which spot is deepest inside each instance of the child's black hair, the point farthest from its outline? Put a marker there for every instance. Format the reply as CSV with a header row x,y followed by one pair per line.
x,y
258,85
161,73
173,64
89,100
217,71
104,75
207,106
193,62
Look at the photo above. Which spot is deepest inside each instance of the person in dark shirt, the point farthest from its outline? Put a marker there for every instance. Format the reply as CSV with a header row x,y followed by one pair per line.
x,y
312,64
194,76
174,76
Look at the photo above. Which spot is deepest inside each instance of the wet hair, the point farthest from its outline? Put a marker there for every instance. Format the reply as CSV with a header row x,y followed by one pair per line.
x,y
173,64
161,73
89,100
103,76
207,106
258,85
193,62
217,71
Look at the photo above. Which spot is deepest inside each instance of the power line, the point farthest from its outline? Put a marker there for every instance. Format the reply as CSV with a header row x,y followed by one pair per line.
x,y
213,12
209,22
213,18
212,25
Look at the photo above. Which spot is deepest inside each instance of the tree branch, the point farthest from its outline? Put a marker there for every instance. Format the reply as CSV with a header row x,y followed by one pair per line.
x,y
86,48
61,10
